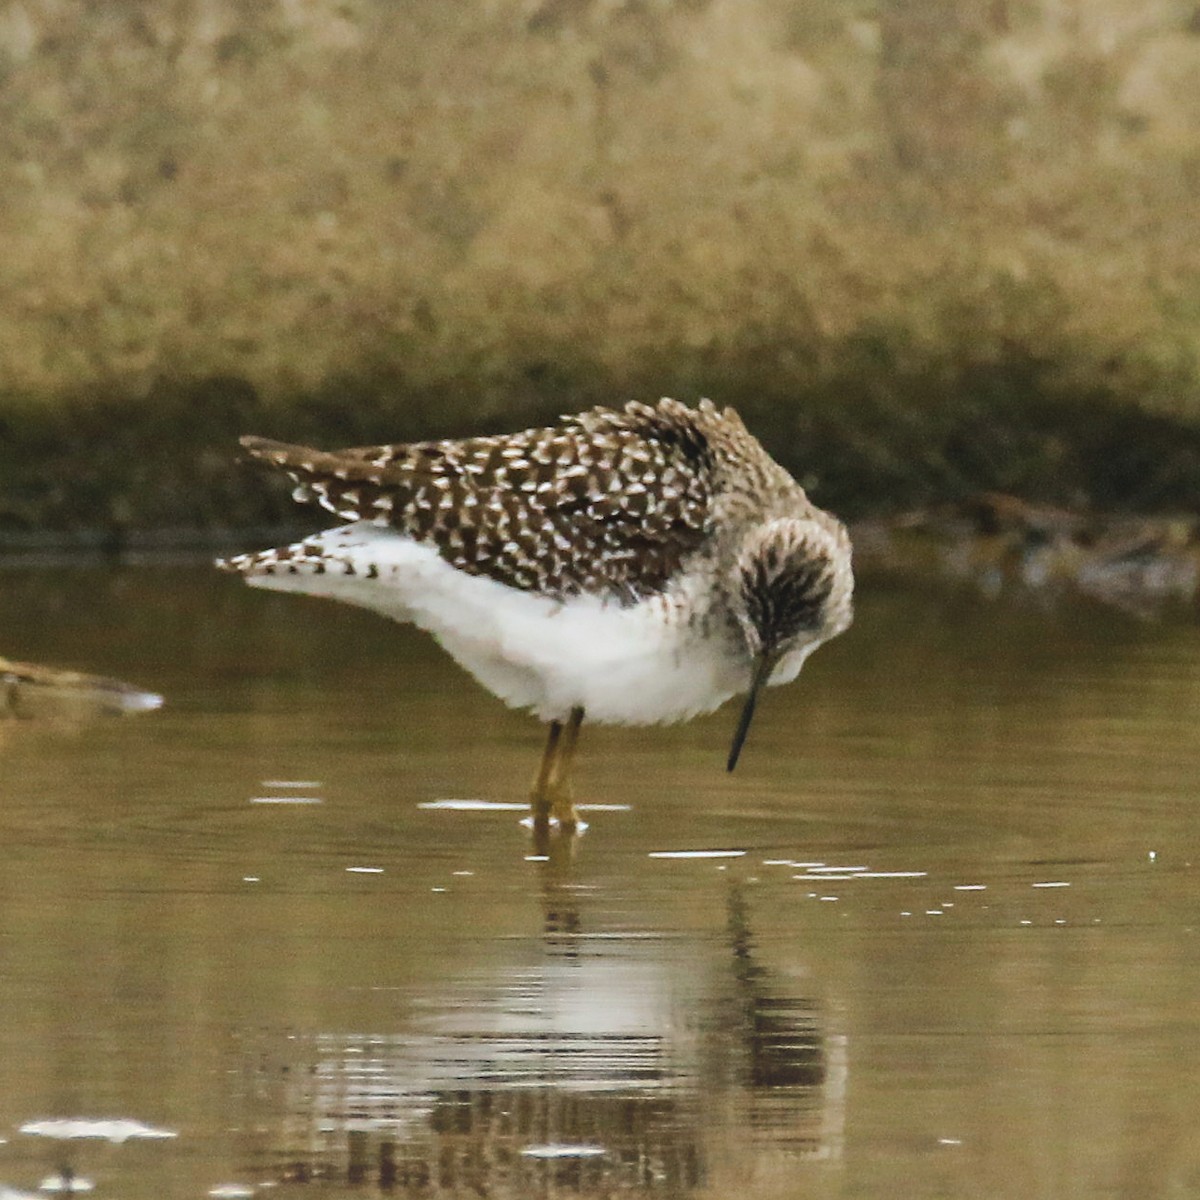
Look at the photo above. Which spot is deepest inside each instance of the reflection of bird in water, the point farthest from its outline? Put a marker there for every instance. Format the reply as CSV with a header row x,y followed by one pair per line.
x,y
28,690
594,1062
640,565
786,1052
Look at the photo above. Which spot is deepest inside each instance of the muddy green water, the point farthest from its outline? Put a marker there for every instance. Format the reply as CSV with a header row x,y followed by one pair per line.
x,y
353,988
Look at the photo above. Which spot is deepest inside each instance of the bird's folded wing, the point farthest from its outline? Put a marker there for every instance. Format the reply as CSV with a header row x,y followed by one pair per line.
x,y
607,502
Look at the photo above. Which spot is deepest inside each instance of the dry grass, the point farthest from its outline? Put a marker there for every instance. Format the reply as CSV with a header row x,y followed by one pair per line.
x,y
862,221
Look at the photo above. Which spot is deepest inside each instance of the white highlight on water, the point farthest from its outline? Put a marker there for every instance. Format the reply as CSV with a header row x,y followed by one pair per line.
x,y
118,1130
473,806
70,1183
696,853
563,1150
863,874
580,826
12,1193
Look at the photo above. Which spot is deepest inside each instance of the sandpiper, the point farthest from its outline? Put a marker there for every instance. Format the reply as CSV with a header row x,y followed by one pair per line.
x,y
640,565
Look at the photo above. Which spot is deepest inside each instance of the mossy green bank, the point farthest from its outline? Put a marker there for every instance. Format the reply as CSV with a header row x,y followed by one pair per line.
x,y
924,248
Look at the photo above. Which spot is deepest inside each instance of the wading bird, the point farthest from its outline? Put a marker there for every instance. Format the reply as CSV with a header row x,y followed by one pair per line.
x,y
639,565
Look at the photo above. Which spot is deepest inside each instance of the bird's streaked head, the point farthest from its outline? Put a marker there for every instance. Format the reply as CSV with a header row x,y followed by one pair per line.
x,y
790,591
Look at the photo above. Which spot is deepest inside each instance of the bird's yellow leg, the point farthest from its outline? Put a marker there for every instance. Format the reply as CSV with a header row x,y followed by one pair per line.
x,y
562,797
540,799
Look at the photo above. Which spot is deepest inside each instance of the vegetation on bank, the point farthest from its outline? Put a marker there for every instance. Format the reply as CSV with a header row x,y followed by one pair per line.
x,y
926,249
872,425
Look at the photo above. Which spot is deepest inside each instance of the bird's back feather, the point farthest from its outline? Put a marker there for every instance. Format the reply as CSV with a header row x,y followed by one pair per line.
x,y
606,502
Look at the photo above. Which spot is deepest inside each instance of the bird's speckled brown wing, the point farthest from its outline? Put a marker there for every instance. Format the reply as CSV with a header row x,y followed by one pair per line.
x,y
607,502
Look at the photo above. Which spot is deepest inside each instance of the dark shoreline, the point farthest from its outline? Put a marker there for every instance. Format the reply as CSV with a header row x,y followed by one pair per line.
x,y
871,431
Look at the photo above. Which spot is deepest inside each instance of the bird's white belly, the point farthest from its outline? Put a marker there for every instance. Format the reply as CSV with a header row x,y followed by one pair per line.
x,y
637,665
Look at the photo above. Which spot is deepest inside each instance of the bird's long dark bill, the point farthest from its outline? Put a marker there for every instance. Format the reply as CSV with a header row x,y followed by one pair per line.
x,y
763,666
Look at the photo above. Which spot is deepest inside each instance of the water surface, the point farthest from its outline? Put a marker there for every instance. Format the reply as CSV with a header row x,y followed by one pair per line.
x,y
949,949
